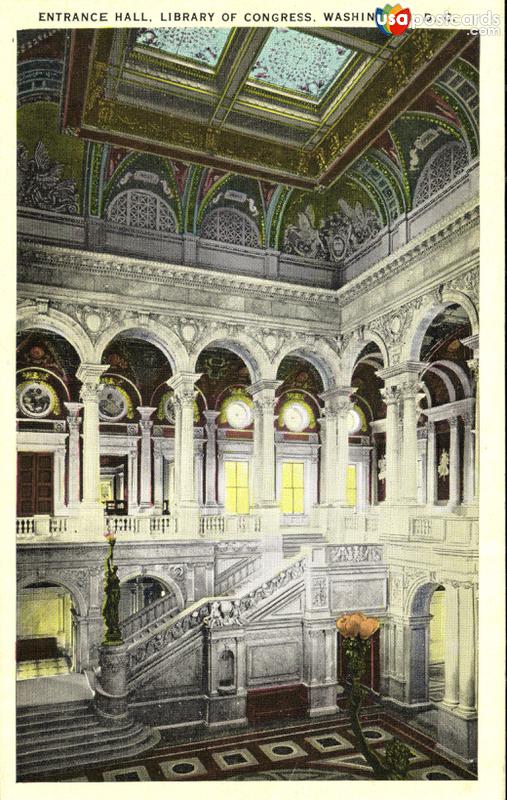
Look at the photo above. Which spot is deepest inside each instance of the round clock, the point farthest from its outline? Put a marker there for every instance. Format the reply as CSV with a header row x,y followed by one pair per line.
x,y
238,414
296,417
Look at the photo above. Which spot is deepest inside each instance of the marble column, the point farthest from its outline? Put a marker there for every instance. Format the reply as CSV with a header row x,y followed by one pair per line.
x,y
322,457
211,458
473,365
186,507
454,463
374,473
410,395
469,495
263,394
89,375
467,640
145,425
391,395
451,645
336,445
431,465
74,457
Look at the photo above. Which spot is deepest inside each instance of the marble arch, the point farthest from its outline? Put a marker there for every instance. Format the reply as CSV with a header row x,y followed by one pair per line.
x,y
354,349
61,324
56,577
154,333
423,319
243,346
319,355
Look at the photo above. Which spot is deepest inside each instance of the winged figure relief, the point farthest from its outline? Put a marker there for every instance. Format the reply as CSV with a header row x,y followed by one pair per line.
x,y
304,239
40,185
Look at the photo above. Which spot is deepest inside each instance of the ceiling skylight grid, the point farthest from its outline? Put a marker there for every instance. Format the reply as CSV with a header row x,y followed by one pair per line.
x,y
204,45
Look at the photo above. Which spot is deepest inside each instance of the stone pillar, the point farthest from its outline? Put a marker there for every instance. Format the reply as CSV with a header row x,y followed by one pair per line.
x,y
410,393
59,481
111,690
431,465
89,375
322,474
74,457
186,507
473,365
451,645
469,496
467,640
454,463
145,425
264,484
210,499
158,475
336,444
391,397
374,473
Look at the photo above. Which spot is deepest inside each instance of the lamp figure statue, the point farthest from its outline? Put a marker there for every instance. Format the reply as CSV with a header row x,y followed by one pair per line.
x,y
111,607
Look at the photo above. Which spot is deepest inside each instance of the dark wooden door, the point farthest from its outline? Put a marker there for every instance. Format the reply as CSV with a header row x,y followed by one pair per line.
x,y
35,484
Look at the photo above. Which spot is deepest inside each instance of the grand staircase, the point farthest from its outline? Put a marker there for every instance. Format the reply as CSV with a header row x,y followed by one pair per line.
x,y
58,737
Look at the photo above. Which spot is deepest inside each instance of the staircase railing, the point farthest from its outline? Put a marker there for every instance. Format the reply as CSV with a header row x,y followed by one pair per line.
x,y
135,625
237,573
210,611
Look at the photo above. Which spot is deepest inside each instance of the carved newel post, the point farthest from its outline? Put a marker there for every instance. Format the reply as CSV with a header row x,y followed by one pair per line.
x,y
111,690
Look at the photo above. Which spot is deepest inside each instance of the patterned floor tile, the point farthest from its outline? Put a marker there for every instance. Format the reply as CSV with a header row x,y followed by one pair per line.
x,y
328,742
282,750
138,773
435,773
181,768
234,759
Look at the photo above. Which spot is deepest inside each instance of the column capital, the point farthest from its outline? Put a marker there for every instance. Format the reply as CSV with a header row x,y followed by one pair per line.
x,y
145,412
337,400
264,385
183,384
472,342
73,409
211,417
390,395
407,371
91,373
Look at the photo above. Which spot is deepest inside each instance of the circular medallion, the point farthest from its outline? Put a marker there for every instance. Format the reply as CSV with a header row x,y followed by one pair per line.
x,y
296,417
353,421
169,409
93,322
35,400
112,404
238,414
188,332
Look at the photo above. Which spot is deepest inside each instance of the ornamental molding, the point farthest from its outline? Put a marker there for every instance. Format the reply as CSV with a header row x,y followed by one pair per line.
x,y
105,265
451,227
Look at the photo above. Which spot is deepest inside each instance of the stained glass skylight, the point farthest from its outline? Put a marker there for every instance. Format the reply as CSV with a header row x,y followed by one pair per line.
x,y
204,45
297,62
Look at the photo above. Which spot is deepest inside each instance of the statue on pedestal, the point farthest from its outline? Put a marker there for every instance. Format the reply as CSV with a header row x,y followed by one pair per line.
x,y
111,607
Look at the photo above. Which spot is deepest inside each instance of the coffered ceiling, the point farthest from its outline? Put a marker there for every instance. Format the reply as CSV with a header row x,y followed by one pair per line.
x,y
293,105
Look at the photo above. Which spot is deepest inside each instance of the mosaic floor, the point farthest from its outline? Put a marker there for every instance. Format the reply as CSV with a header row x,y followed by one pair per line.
x,y
311,751
41,668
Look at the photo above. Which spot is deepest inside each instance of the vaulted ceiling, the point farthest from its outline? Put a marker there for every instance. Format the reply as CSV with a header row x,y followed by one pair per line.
x,y
297,106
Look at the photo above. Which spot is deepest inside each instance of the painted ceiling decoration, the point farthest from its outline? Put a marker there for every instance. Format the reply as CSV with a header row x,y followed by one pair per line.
x,y
84,156
203,45
236,101
300,63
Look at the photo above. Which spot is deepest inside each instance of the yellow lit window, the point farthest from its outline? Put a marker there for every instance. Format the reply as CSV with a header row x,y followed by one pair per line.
x,y
351,485
293,487
236,487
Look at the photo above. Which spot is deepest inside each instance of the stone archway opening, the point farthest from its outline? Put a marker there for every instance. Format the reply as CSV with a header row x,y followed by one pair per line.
x,y
436,650
46,641
141,591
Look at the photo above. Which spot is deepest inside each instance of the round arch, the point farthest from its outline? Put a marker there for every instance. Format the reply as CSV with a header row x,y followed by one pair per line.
x,y
154,333
61,324
247,349
353,351
421,322
169,583
81,604
319,355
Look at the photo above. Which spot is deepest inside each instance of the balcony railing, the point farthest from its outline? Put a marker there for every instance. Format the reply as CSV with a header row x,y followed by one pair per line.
x,y
224,524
